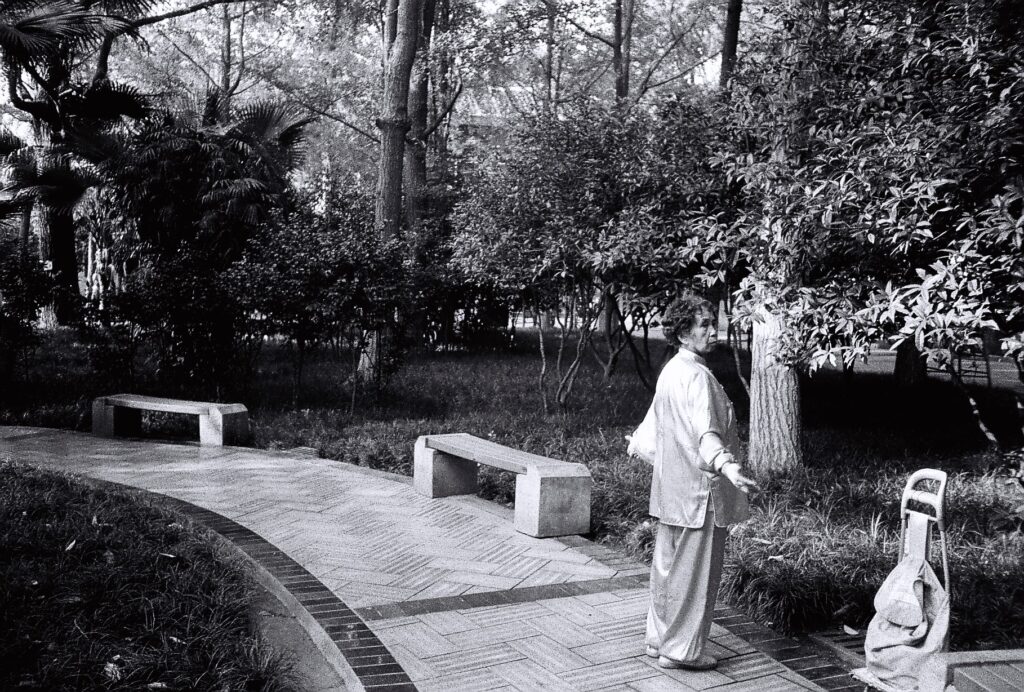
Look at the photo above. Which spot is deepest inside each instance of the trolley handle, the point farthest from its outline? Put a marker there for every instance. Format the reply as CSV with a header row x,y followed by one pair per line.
x,y
934,500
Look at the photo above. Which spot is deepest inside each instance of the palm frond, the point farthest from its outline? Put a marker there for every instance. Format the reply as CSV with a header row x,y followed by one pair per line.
x,y
62,187
96,147
108,101
20,170
43,27
277,129
9,143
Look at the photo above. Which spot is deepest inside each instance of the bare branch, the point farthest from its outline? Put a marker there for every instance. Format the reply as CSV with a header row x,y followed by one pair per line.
x,y
676,40
684,72
188,57
192,9
313,108
444,112
584,30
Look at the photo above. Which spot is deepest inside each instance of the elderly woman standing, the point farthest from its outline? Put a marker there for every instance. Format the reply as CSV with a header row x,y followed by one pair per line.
x,y
698,489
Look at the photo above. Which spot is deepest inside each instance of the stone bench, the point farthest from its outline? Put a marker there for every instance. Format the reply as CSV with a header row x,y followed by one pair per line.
x,y
552,496
121,414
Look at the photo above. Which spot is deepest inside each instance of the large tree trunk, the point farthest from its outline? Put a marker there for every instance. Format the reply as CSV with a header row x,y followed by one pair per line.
x,y
55,229
774,402
401,36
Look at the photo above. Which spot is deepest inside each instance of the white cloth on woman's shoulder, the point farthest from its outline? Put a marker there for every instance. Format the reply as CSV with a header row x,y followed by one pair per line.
x,y
643,443
688,404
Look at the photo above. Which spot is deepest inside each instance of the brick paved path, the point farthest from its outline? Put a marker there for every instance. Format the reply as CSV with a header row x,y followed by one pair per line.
x,y
446,588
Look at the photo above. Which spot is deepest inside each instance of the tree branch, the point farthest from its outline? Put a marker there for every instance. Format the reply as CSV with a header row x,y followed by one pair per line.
x,y
584,30
188,57
241,53
313,108
684,72
444,112
35,108
192,9
676,40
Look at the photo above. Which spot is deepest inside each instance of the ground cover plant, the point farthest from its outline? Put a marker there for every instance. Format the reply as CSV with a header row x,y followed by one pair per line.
x,y
100,590
822,537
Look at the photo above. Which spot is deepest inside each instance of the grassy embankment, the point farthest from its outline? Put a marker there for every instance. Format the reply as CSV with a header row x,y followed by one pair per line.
x,y
821,539
102,591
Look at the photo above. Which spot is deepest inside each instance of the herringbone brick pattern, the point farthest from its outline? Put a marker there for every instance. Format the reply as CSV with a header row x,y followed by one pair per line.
x,y
457,597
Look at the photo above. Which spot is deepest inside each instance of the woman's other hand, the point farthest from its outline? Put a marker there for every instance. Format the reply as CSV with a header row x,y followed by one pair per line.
x,y
734,472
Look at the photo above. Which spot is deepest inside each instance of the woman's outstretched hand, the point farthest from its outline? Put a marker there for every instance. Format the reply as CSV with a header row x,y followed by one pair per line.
x,y
734,472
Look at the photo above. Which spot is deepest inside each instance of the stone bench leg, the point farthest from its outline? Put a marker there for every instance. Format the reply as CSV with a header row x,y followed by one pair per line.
x,y
108,421
552,505
436,474
226,424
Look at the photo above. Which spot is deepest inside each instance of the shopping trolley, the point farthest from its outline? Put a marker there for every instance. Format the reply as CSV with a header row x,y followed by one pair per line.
x,y
916,530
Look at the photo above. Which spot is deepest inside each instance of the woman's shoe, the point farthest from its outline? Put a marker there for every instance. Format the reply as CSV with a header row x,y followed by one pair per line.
x,y
703,662
652,651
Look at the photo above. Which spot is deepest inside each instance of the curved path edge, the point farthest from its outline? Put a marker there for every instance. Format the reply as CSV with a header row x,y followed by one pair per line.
x,y
342,636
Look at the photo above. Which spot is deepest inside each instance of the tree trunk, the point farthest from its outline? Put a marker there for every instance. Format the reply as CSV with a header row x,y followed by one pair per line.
x,y
402,33
550,39
911,368
622,48
774,402
730,40
416,152
55,228
26,230
225,64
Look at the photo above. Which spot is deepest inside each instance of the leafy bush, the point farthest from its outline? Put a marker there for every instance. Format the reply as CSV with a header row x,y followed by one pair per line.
x,y
822,540
317,277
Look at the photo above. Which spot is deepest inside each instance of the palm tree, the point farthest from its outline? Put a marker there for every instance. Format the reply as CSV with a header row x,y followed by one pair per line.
x,y
40,42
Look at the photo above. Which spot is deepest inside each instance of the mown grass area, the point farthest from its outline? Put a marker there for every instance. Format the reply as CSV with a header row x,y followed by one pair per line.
x,y
821,539
102,591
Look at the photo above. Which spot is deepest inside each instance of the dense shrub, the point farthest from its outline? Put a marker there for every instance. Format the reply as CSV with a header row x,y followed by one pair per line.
x,y
24,289
319,277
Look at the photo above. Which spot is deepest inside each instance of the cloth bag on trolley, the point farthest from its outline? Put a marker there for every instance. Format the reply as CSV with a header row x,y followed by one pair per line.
x,y
911,622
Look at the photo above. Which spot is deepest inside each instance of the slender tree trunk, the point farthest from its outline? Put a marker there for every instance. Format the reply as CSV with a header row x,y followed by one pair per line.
x,y
26,230
225,64
958,382
730,40
416,151
622,48
550,41
774,402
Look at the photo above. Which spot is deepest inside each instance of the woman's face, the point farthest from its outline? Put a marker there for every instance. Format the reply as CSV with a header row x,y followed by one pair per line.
x,y
702,335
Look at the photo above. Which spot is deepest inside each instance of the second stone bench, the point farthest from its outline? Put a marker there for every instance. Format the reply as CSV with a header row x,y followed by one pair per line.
x,y
552,496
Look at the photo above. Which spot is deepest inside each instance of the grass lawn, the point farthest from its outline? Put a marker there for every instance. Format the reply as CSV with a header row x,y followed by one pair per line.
x,y
821,540
102,591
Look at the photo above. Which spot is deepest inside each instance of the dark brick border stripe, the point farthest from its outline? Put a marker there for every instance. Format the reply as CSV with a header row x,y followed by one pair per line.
x,y
495,598
369,659
804,657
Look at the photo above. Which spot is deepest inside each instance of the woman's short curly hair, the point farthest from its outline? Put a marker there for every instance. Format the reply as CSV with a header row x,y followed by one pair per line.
x,y
682,314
